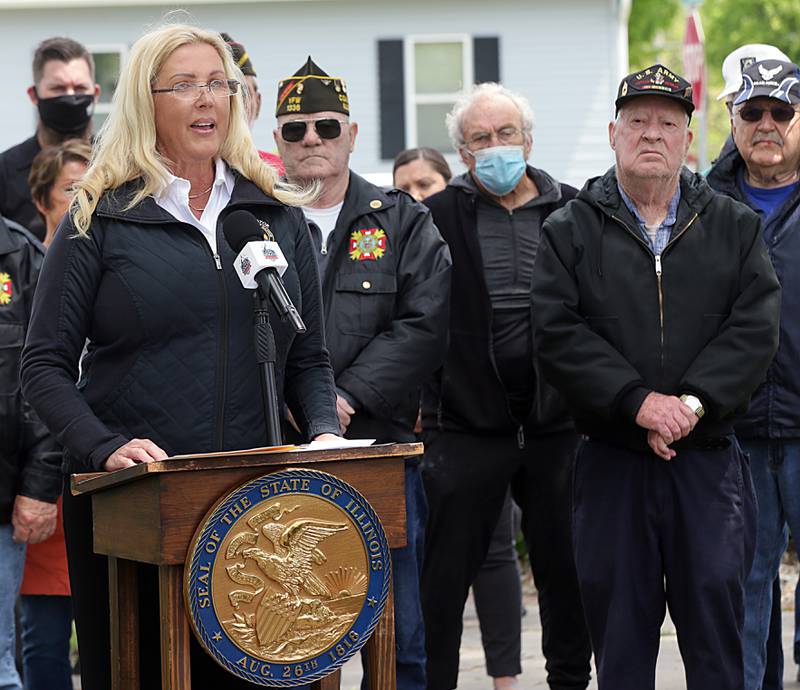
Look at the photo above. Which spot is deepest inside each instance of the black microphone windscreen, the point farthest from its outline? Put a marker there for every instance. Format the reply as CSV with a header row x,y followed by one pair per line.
x,y
241,227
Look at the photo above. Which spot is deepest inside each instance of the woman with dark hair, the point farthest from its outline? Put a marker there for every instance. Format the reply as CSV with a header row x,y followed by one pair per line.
x,y
421,172
497,590
54,173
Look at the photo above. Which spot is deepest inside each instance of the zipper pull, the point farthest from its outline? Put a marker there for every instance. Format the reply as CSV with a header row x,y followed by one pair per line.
x,y
521,438
217,262
323,249
658,265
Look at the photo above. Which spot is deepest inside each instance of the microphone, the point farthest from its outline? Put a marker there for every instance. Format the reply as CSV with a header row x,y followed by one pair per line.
x,y
260,263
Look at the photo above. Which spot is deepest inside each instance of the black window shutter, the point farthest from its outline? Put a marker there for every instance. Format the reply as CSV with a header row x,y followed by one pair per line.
x,y
392,98
486,58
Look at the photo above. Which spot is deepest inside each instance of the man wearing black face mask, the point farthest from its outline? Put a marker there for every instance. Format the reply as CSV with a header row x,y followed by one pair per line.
x,y
64,92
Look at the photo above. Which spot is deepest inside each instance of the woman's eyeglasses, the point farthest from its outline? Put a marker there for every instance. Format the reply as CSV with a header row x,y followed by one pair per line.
x,y
327,128
187,91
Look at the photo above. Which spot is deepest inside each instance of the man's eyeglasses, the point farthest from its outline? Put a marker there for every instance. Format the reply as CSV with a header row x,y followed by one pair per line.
x,y
506,135
187,91
327,128
754,113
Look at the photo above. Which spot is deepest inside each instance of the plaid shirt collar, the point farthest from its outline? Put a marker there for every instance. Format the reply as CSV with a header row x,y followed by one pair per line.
x,y
664,230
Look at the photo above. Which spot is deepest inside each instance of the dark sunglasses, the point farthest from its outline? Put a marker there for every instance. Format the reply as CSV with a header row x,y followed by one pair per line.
x,y
296,130
780,113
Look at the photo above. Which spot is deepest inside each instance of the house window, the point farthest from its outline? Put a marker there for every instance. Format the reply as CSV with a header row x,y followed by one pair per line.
x,y
438,69
108,61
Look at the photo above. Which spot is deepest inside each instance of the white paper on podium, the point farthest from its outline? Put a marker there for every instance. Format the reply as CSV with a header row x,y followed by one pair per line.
x,y
337,443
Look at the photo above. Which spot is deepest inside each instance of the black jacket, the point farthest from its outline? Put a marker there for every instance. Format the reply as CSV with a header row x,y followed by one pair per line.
x,y
15,193
385,318
29,459
467,394
613,322
774,411
170,354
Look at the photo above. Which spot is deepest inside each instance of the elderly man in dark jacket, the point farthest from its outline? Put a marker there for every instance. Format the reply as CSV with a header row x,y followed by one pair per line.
x,y
657,317
763,171
385,287
490,422
30,466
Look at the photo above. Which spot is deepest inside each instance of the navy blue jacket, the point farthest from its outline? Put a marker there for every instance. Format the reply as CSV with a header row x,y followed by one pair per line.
x,y
774,410
170,352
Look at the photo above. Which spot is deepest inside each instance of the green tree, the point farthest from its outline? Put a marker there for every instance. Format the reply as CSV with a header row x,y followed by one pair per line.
x,y
651,26
729,24
655,34
732,23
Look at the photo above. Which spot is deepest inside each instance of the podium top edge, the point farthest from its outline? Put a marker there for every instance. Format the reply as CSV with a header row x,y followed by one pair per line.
x,y
88,483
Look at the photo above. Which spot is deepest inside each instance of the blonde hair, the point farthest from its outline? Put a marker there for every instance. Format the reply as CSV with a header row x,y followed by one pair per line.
x,y
126,145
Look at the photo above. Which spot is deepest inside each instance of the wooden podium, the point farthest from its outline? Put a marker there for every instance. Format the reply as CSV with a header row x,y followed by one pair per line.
x,y
149,513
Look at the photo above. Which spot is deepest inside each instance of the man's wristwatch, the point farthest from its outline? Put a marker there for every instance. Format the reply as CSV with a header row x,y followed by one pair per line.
x,y
693,403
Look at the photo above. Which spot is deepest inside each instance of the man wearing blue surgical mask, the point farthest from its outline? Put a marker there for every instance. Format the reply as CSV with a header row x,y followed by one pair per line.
x,y
490,422
64,93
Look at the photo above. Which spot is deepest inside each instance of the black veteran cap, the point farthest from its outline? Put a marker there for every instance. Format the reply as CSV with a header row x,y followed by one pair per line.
x,y
655,81
310,90
770,78
240,56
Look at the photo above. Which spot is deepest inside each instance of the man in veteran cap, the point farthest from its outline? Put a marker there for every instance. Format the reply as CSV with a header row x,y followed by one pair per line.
x,y
252,96
657,317
732,66
242,59
763,171
385,272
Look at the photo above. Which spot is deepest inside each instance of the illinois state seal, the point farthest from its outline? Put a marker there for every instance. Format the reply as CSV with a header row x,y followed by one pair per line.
x,y
286,577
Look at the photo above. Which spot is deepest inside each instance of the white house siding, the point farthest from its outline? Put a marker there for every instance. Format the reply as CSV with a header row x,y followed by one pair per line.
x,y
564,55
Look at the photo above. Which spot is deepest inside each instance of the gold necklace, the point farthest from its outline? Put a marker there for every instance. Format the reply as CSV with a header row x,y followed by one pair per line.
x,y
198,210
194,196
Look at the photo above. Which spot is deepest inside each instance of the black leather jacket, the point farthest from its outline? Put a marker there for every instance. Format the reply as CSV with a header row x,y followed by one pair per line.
x,y
29,459
385,313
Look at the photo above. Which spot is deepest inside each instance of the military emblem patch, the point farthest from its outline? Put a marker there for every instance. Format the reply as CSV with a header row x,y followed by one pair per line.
x,y
6,288
368,244
287,577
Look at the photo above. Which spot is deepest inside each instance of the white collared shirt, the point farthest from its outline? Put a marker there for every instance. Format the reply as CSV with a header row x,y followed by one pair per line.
x,y
174,199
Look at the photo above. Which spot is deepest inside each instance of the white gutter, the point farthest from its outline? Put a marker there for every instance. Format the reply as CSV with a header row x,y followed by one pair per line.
x,y
63,4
